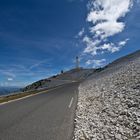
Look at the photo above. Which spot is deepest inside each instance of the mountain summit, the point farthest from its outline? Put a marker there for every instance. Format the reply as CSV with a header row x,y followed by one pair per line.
x,y
72,75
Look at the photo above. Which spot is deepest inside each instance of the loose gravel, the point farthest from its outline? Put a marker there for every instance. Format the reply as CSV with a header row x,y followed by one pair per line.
x,y
109,105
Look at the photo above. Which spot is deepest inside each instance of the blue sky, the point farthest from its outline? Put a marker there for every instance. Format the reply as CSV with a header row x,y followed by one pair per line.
x,y
40,38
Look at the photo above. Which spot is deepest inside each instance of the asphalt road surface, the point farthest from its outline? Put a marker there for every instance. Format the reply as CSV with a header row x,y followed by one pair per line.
x,y
46,116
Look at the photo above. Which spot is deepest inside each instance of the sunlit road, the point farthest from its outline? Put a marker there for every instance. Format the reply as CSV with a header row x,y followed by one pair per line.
x,y
46,116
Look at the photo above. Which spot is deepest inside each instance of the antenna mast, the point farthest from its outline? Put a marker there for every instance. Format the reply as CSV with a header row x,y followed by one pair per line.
x,y
77,62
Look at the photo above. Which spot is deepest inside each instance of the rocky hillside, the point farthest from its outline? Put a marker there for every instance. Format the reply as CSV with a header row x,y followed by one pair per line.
x,y
63,78
109,102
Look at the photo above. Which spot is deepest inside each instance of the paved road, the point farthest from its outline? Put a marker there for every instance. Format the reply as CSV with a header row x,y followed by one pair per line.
x,y
46,116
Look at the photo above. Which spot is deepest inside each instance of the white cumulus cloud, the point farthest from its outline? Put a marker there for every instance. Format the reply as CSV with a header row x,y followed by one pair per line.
x,y
105,18
111,47
91,45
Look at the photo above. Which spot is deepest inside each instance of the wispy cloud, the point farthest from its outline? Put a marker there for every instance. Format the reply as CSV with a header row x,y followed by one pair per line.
x,y
37,64
14,74
7,73
10,79
81,33
105,21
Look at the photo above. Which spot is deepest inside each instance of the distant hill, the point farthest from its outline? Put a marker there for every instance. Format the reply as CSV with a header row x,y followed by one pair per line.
x,y
8,90
63,78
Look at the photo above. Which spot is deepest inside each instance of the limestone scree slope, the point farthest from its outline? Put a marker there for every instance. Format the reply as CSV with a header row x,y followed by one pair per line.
x,y
109,102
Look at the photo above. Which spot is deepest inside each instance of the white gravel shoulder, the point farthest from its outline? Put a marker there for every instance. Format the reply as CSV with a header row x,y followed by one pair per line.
x,y
109,106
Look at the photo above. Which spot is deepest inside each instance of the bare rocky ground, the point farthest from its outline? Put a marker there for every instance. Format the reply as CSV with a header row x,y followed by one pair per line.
x,y
109,104
60,79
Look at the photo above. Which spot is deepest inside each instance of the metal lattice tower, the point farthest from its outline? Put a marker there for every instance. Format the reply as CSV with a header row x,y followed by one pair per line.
x,y
77,62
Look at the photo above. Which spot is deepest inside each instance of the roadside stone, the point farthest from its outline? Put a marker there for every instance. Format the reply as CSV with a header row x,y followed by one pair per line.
x,y
109,105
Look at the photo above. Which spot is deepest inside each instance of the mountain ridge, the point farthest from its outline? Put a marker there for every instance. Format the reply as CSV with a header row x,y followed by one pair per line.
x,y
73,75
79,74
